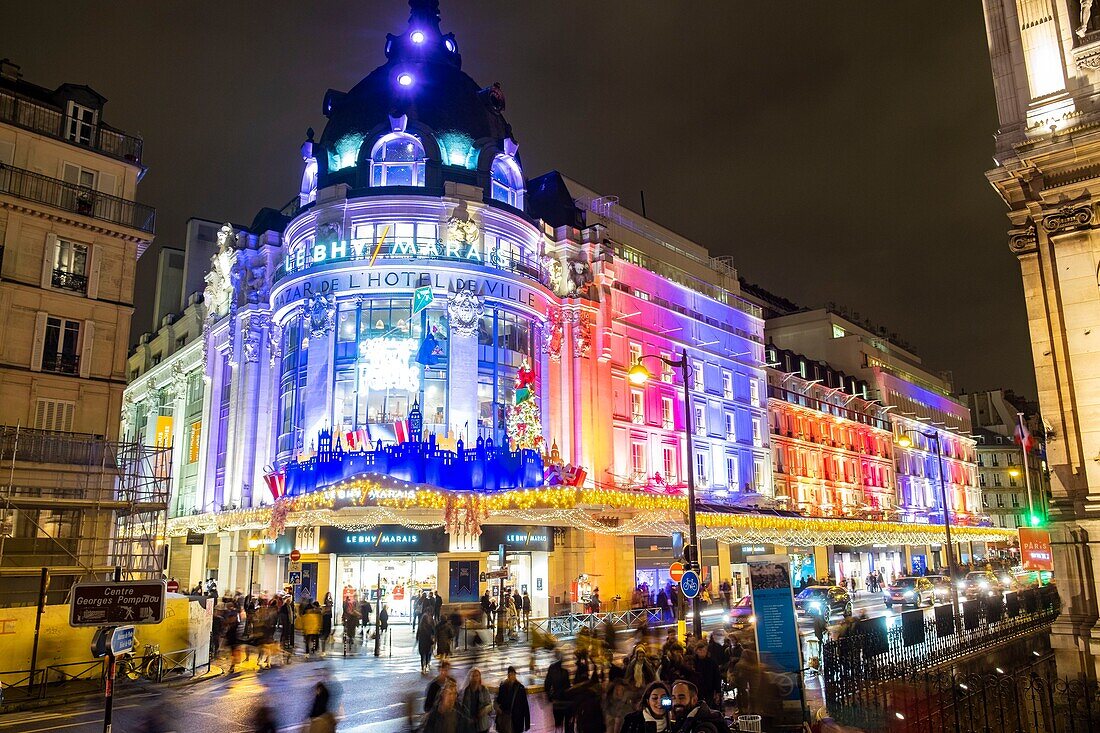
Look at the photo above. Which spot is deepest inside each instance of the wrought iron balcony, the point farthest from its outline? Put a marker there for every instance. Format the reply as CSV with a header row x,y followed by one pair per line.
x,y
61,363
51,122
81,200
70,281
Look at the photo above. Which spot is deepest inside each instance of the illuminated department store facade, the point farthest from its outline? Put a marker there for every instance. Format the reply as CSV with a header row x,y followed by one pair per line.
x,y
424,358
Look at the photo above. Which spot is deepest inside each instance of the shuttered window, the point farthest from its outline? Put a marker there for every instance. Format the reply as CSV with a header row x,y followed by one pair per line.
x,y
54,415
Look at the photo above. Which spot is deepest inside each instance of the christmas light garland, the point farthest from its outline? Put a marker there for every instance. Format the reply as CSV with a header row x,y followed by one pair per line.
x,y
369,500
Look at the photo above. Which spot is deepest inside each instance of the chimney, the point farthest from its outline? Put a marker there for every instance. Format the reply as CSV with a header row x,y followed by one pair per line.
x,y
9,70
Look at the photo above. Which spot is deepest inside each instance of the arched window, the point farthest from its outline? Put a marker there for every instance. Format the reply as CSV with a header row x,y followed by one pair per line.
x,y
507,181
397,159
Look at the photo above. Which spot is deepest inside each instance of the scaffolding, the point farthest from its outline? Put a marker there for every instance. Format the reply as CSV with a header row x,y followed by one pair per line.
x,y
81,506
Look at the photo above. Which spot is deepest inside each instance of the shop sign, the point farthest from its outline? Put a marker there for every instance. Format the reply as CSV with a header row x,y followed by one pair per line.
x,y
1035,551
194,538
383,539
741,553
517,538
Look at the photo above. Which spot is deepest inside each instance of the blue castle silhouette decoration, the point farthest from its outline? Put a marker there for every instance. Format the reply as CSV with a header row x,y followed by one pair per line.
x,y
484,468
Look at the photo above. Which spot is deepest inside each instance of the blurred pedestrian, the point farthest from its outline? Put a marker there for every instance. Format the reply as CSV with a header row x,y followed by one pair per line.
x,y
475,704
321,719
311,627
444,638
425,640
513,710
443,716
443,679
326,623
263,720
556,687
525,607
708,677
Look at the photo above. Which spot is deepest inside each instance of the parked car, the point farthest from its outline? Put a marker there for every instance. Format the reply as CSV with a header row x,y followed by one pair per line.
x,y
824,601
942,585
740,617
981,584
909,592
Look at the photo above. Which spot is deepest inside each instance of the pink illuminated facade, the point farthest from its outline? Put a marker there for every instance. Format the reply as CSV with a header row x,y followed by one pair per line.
x,y
832,448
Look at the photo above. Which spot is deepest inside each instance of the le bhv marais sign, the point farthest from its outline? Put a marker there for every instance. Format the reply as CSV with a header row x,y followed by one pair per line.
x,y
309,253
363,281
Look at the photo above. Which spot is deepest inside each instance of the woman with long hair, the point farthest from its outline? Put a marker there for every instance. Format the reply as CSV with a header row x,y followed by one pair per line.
x,y
651,716
475,704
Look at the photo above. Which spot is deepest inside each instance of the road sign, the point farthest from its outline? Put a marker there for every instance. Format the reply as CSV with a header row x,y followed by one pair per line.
x,y
295,555
689,584
497,574
122,640
676,571
295,577
173,586
105,604
294,567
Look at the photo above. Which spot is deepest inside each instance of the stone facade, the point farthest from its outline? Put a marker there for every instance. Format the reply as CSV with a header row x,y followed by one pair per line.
x,y
1047,171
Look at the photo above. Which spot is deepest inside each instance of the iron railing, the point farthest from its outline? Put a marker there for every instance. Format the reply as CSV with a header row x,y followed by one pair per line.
x,y
1031,700
70,281
76,199
568,625
861,666
61,363
52,446
51,122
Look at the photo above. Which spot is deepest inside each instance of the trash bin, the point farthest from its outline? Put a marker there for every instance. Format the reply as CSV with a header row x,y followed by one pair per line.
x,y
750,722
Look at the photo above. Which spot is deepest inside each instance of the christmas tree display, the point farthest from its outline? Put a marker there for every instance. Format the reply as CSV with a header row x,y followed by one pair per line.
x,y
524,422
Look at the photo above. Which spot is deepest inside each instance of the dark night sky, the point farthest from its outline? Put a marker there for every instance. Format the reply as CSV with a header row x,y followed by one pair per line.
x,y
835,150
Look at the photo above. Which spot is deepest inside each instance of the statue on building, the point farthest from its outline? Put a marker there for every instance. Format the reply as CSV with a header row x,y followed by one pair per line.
x,y
1086,18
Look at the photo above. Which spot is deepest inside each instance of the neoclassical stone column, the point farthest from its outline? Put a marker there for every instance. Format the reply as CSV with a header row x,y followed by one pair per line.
x,y
464,311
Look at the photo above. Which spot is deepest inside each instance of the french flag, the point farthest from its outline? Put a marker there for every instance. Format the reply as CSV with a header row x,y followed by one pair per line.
x,y
1023,438
401,430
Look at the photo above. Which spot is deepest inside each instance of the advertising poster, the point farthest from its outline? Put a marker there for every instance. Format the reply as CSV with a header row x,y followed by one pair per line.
x,y
776,628
1035,552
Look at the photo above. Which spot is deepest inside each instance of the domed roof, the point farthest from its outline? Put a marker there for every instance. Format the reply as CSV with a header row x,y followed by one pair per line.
x,y
422,80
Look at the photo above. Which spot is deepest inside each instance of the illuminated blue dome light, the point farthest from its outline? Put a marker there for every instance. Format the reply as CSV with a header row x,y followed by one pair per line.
x,y
417,36
405,80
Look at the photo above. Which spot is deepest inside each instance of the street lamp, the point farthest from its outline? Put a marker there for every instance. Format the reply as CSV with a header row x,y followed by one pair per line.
x,y
253,543
905,442
639,375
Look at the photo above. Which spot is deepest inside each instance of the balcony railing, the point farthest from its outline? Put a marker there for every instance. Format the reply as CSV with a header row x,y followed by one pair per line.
x,y
70,281
51,122
76,199
61,363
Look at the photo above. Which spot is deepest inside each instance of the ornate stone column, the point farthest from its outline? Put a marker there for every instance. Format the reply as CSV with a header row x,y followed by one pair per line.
x,y
464,311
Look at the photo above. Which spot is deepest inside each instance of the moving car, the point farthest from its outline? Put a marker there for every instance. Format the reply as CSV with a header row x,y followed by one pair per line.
x,y
909,592
824,601
981,584
942,585
740,617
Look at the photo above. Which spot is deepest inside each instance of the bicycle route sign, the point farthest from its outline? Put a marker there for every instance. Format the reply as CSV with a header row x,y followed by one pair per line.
x,y
110,604
689,584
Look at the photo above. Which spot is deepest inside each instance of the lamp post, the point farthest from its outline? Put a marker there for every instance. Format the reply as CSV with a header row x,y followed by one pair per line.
x,y
253,543
639,375
905,442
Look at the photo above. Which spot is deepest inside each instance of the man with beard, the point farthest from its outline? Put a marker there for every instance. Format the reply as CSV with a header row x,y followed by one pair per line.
x,y
692,715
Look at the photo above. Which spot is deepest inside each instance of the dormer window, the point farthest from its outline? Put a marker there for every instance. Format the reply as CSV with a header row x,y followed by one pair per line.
x,y
79,124
507,181
397,160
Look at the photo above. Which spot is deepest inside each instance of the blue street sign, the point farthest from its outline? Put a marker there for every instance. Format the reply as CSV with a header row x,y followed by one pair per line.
x,y
689,584
122,640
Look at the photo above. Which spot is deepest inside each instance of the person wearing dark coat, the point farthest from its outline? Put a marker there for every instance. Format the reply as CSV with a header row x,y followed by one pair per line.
x,y
437,684
692,715
650,717
708,677
556,686
425,640
513,710
437,606
587,706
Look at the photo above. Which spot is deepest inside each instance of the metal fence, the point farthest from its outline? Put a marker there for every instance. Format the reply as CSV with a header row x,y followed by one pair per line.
x,y
865,669
44,120
20,686
569,624
1034,700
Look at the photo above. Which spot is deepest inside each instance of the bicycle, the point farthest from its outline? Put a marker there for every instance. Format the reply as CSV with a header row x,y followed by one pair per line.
x,y
149,665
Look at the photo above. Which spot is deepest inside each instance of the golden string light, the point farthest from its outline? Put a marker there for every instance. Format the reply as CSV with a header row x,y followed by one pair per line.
x,y
367,501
